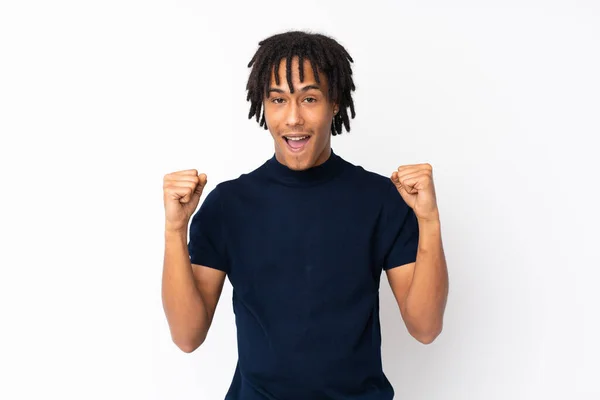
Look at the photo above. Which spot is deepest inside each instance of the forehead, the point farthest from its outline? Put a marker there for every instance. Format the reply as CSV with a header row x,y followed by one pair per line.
x,y
309,77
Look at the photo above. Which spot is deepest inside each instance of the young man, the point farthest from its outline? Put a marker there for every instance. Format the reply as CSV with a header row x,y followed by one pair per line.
x,y
304,239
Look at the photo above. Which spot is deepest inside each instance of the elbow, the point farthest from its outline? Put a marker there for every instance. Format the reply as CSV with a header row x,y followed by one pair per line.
x,y
425,328
426,339
427,336
188,346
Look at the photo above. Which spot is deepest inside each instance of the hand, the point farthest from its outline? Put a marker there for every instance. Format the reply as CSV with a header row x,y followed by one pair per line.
x,y
415,185
181,195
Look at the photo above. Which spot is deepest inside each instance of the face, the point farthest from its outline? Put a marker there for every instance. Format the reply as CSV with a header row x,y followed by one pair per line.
x,y
299,122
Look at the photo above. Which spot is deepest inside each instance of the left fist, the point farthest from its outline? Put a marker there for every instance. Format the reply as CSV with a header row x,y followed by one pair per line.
x,y
415,185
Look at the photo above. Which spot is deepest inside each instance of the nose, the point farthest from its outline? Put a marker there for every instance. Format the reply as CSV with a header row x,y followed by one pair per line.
x,y
294,115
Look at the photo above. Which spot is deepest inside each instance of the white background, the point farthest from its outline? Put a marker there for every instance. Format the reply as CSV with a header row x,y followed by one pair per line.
x,y
98,100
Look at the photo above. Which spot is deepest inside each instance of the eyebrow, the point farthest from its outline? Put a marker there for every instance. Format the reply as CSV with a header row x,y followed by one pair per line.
x,y
304,89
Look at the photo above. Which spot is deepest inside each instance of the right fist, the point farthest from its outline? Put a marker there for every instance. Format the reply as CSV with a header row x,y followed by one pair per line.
x,y
181,194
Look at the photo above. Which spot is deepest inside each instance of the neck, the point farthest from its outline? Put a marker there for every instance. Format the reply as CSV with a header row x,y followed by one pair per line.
x,y
316,174
298,165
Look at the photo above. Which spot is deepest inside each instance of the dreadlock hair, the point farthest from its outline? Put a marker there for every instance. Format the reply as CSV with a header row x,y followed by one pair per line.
x,y
325,55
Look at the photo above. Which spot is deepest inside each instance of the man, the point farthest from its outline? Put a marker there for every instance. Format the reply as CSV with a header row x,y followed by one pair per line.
x,y
303,240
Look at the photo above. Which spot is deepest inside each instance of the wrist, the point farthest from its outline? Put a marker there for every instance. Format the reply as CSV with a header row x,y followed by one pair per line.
x,y
429,222
175,230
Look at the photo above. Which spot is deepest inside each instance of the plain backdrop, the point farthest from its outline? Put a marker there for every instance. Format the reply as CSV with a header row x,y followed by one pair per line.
x,y
100,99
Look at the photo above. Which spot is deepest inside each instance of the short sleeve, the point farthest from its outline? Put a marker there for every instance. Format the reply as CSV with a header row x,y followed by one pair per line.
x,y
207,240
401,231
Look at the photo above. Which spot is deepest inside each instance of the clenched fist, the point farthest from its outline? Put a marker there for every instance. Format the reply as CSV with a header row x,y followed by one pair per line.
x,y
181,193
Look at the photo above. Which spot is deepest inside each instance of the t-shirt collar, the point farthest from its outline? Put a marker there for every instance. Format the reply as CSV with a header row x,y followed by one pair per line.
x,y
308,177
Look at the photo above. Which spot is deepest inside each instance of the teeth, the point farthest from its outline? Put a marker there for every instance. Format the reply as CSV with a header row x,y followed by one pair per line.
x,y
297,138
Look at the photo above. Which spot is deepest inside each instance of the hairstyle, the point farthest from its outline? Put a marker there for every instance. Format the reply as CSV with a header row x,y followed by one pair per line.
x,y
325,55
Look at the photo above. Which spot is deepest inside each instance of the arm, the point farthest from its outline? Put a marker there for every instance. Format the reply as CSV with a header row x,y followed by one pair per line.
x,y
190,293
421,288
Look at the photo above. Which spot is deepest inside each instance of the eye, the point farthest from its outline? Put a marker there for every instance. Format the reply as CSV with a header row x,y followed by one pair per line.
x,y
312,99
277,100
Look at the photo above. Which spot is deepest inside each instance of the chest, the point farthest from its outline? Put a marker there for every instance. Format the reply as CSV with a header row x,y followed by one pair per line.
x,y
306,242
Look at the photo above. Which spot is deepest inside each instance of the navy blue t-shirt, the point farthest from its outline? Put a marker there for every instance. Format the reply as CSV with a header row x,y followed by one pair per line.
x,y
304,252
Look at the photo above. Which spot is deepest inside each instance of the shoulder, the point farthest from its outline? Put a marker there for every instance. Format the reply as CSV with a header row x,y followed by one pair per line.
x,y
376,190
372,181
234,187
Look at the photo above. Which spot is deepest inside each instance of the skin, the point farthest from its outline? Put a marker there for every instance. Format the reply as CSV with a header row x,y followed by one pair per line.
x,y
307,111
421,288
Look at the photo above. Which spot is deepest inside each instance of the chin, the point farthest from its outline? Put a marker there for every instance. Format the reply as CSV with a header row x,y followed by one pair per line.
x,y
298,163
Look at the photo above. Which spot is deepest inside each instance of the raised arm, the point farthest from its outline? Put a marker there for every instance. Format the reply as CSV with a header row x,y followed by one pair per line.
x,y
190,292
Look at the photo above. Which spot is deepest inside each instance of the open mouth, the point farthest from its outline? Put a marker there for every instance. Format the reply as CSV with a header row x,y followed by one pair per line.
x,y
296,143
